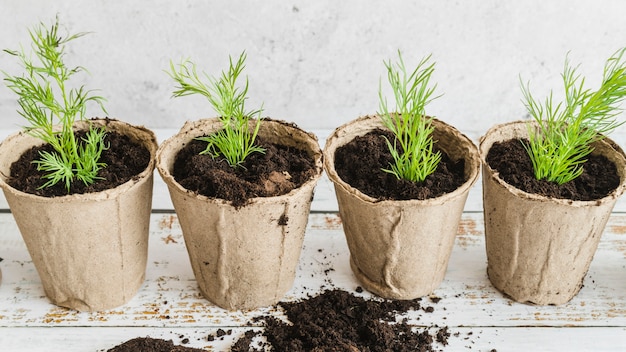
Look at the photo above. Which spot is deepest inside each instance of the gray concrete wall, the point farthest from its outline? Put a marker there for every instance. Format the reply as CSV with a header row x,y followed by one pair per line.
x,y
318,63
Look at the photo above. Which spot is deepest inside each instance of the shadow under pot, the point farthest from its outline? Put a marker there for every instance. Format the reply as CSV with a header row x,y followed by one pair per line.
x,y
539,248
245,256
90,250
399,249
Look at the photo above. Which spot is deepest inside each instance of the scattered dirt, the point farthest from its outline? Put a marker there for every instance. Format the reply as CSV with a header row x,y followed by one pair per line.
x,y
125,159
148,344
277,171
511,160
219,334
245,343
360,163
337,320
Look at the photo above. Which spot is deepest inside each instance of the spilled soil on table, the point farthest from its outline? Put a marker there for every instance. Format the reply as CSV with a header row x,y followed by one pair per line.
x,y
510,159
337,320
147,344
360,163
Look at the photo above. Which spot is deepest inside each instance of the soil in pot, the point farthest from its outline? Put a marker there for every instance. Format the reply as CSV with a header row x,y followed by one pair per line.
x,y
337,320
514,166
360,163
276,172
124,158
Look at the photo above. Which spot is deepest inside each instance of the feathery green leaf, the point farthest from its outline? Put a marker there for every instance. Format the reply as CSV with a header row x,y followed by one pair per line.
x,y
45,101
559,147
235,141
411,127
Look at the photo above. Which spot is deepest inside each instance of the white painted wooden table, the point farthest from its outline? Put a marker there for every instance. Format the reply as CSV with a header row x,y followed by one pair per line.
x,y
169,304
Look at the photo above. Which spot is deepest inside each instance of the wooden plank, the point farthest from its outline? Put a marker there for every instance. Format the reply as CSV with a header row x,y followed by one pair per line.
x,y
484,339
169,296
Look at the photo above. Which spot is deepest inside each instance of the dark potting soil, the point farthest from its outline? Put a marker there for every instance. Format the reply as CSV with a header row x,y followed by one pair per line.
x,y
510,159
277,171
148,344
337,320
124,158
360,163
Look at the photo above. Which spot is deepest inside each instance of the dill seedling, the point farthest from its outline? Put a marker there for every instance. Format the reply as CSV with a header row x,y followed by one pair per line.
x,y
410,125
235,141
558,148
45,100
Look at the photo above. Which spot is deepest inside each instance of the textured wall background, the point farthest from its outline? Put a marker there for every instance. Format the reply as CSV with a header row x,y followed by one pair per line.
x,y
318,63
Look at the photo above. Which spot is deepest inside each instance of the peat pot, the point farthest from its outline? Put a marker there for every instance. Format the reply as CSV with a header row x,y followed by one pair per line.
x,y
539,249
399,249
90,250
245,257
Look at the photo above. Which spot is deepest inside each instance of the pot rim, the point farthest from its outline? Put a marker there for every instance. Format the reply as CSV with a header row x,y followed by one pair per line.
x,y
150,144
484,150
191,128
374,120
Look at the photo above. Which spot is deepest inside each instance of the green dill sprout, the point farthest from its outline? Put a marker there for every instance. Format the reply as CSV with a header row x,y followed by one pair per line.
x,y
558,148
412,129
235,141
45,100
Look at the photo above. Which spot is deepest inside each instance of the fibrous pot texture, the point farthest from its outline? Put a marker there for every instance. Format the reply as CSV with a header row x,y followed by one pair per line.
x,y
90,249
400,249
243,257
539,249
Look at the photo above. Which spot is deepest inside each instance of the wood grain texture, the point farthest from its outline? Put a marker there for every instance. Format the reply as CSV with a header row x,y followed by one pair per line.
x,y
169,304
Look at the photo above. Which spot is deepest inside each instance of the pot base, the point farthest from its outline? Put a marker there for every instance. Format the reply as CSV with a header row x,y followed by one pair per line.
x,y
386,291
532,296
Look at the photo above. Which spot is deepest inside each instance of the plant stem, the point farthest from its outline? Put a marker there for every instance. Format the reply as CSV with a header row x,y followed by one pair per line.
x,y
558,148
45,101
235,141
410,125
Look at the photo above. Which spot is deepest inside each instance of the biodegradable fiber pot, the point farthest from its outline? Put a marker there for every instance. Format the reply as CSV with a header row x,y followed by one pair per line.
x,y
400,249
246,257
538,248
90,250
